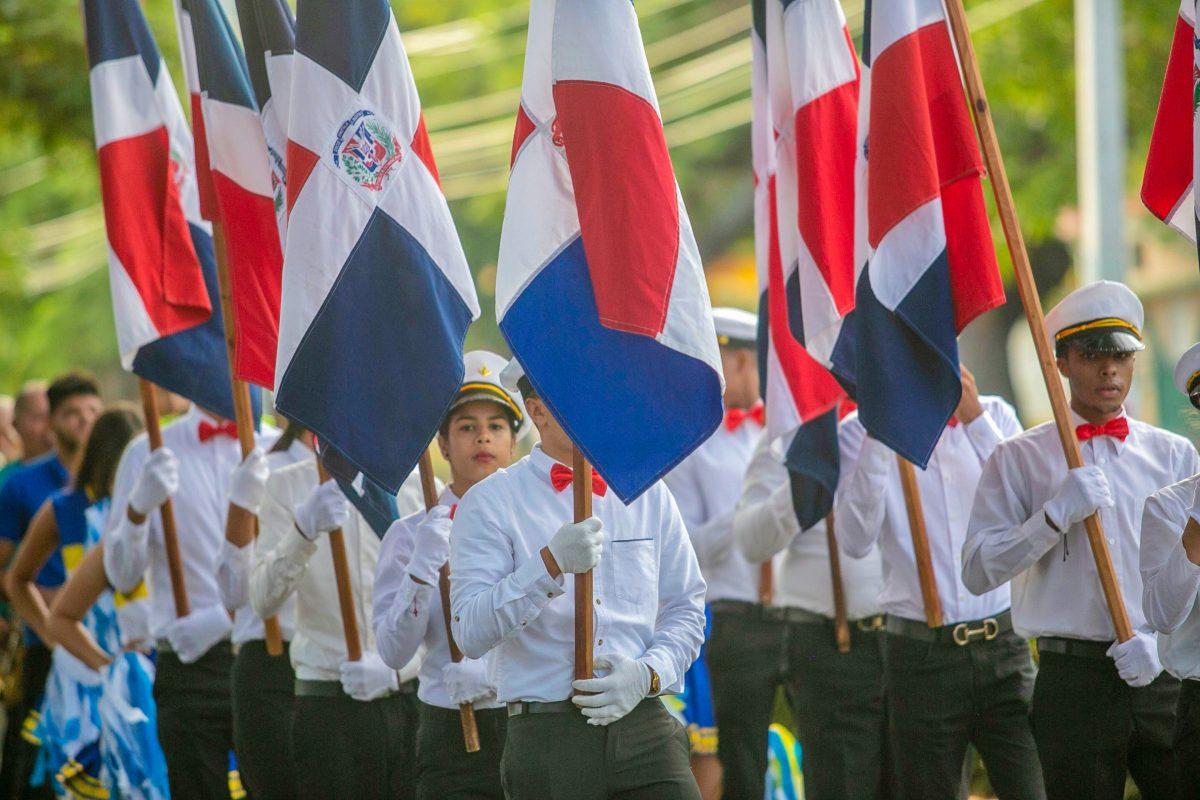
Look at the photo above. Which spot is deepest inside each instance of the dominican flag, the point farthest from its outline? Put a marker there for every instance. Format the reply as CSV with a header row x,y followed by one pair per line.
x,y
600,291
931,267
801,396
161,269
1167,186
377,295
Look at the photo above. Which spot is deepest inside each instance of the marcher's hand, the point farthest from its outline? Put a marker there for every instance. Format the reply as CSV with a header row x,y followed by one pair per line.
x,y
431,546
1083,492
324,510
875,458
192,636
969,407
158,480
1137,659
248,483
615,695
576,547
133,618
368,678
466,681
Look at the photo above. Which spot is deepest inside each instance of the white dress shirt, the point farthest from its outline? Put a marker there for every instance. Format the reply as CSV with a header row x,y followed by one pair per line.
x,y
1055,587
233,572
1170,582
286,562
648,594
408,615
706,486
200,507
765,526
868,513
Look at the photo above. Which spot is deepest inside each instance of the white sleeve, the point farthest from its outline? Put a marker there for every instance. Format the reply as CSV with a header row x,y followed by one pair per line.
x,y
490,596
679,629
1170,580
711,536
861,501
400,606
127,546
282,554
233,573
1005,536
765,521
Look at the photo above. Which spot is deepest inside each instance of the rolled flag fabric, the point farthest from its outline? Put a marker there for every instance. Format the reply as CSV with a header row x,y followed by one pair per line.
x,y
1167,185
801,396
931,267
377,295
243,191
161,268
600,291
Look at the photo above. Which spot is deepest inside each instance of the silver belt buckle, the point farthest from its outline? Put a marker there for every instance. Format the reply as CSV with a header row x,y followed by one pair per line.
x,y
964,634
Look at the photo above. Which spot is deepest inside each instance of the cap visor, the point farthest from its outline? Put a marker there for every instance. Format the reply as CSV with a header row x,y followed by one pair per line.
x,y
1113,340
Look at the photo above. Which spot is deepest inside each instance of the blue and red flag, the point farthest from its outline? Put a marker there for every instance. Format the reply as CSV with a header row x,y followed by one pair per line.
x,y
161,268
600,291
377,295
930,266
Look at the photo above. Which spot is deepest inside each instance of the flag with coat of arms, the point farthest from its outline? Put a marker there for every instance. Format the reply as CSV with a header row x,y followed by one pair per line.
x,y
600,291
377,295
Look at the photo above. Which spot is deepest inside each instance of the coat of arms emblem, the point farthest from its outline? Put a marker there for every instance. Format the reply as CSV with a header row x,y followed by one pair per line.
x,y
366,150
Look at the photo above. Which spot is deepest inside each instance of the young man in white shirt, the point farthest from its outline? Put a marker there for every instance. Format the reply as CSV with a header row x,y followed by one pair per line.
x,y
737,661
1170,567
837,698
511,550
1100,708
191,688
969,681
477,437
354,723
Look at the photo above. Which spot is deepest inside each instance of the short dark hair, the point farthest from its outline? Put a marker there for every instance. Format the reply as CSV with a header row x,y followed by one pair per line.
x,y
70,385
112,432
444,428
525,388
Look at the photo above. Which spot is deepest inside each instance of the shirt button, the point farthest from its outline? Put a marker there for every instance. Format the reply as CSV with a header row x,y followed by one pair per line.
x,y
456,618
597,601
599,641
1112,541
549,594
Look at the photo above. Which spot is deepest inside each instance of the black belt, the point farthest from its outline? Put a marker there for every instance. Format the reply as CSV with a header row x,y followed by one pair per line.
x,y
309,688
805,617
740,608
530,707
961,634
1082,648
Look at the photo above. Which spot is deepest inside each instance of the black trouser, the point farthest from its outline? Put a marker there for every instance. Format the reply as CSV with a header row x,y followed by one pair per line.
x,y
558,756
445,770
263,693
1187,740
1091,727
942,697
20,756
347,748
195,722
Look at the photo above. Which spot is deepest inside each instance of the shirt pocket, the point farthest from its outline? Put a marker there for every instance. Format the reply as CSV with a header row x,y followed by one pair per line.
x,y
635,568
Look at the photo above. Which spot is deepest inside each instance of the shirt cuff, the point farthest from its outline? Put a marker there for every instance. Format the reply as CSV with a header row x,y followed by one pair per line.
x,y
668,681
295,548
984,435
536,583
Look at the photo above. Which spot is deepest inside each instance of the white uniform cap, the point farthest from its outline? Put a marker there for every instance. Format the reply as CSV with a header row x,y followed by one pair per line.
x,y
482,381
1187,371
1104,316
735,327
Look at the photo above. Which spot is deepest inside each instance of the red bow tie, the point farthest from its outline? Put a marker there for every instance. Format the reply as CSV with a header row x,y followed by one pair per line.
x,y
209,430
734,417
1117,428
561,476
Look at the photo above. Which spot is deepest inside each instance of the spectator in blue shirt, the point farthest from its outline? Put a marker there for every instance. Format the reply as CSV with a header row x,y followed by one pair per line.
x,y
31,422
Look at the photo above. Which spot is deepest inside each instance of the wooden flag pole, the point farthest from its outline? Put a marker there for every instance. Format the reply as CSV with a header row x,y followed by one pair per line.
x,y
581,486
243,409
841,625
916,523
466,711
1027,288
341,576
766,583
166,511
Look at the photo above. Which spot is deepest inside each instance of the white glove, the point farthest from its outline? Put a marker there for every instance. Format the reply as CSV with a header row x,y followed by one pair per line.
x,y
466,681
875,457
1137,659
193,635
133,620
614,695
431,546
369,678
322,511
576,546
158,480
248,482
1084,492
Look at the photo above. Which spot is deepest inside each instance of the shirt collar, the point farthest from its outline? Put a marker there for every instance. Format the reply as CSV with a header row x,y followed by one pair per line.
x,y
542,463
1077,420
448,497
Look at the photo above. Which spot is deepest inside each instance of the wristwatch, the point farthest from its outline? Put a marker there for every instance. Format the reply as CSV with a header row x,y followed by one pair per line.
x,y
655,686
